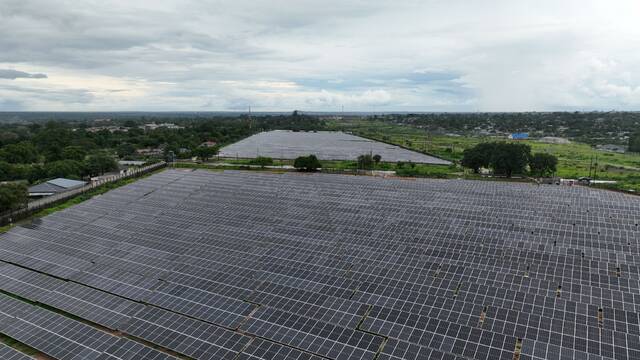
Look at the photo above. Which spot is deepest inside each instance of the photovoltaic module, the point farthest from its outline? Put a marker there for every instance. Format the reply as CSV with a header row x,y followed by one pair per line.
x,y
254,265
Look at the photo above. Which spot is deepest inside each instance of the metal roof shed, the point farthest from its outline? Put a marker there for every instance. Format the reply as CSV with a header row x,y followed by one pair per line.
x,y
55,186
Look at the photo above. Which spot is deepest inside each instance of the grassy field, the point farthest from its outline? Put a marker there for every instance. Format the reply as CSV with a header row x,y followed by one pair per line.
x,y
574,158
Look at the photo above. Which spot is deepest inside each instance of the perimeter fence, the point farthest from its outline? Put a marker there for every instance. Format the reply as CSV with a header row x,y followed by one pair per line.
x,y
39,204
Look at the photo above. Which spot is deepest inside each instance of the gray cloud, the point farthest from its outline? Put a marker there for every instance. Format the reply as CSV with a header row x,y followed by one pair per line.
x,y
69,96
285,54
10,105
15,74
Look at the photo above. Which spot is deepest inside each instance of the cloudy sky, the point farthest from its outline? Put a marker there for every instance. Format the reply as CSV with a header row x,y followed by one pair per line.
x,y
277,55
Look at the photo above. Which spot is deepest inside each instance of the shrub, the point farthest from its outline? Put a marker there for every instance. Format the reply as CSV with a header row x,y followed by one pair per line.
x,y
307,163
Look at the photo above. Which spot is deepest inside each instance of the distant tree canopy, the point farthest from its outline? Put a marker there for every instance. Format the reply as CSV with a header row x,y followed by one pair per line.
x,y
204,153
99,164
64,168
307,163
587,127
6,171
125,150
365,162
634,142
20,153
377,158
502,157
43,149
510,158
542,164
478,156
12,196
77,153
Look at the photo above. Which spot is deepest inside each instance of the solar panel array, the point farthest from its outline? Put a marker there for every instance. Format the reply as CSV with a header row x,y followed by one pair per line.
x,y
326,145
241,265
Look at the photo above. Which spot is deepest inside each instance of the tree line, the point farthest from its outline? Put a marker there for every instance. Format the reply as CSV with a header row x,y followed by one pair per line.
x,y
37,151
634,142
588,127
508,159
73,149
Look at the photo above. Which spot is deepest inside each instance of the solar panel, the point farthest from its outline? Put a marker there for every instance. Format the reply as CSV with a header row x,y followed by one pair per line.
x,y
126,349
294,266
326,145
260,349
94,305
64,338
185,335
7,353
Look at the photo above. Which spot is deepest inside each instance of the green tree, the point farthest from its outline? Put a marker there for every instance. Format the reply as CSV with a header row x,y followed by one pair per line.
x,y
377,158
36,172
64,169
52,139
6,171
365,162
307,163
129,124
542,164
74,153
478,156
634,142
10,172
125,149
13,196
20,153
503,157
262,161
204,153
510,158
99,164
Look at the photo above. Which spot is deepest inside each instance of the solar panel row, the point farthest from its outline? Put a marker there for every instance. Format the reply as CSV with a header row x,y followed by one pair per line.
x,y
246,265
8,353
326,145
63,338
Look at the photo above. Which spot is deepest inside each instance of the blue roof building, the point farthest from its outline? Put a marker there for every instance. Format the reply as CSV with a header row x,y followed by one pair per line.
x,y
519,136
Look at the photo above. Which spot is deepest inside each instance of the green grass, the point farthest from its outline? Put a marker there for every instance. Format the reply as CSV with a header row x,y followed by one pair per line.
x,y
430,171
214,167
573,159
5,228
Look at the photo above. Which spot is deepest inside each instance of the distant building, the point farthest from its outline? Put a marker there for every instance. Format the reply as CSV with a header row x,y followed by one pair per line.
x,y
149,151
519,136
209,144
154,126
612,148
554,140
54,186
110,129
128,164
